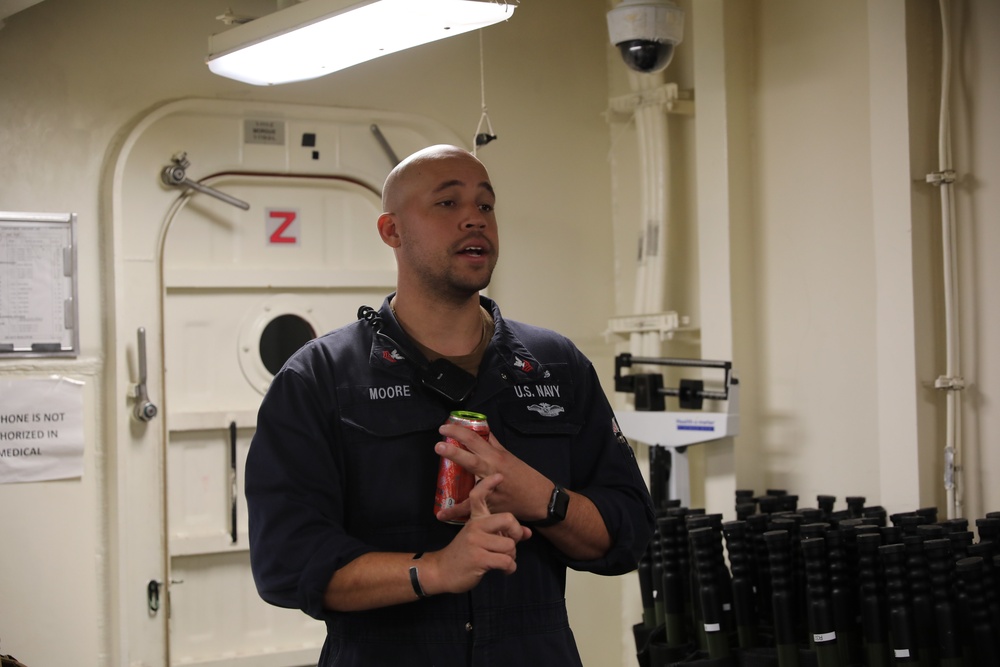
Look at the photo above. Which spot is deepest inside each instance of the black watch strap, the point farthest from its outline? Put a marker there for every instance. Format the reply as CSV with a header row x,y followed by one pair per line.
x,y
558,503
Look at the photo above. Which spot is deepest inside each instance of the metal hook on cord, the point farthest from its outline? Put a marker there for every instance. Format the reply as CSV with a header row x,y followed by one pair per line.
x,y
482,138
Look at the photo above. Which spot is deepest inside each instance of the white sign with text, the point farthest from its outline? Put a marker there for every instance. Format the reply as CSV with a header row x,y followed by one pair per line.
x,y
41,429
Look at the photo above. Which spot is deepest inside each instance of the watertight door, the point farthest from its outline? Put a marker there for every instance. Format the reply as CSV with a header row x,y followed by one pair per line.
x,y
224,295
243,290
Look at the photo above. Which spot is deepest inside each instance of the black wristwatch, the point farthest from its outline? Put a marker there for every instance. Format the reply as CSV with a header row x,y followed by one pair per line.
x,y
558,503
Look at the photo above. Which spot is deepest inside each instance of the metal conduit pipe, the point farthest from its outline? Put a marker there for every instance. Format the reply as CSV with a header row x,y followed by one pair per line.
x,y
658,229
951,382
651,124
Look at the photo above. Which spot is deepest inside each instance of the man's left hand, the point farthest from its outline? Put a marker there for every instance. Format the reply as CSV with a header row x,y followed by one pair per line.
x,y
524,491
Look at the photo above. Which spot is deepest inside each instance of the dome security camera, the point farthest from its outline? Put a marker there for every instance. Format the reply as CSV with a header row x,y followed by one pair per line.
x,y
646,32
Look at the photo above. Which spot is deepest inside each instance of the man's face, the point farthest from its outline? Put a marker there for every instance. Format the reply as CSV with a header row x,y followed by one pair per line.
x,y
448,241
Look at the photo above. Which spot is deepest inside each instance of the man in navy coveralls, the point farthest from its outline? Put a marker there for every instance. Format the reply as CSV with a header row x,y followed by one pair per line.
x,y
342,469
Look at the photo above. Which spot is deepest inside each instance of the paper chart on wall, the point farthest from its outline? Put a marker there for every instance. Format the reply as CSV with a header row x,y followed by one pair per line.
x,y
41,429
38,305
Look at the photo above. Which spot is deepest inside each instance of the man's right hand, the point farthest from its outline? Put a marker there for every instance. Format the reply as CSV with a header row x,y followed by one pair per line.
x,y
380,579
486,542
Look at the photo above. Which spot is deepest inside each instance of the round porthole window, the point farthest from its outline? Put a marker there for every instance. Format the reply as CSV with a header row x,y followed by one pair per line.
x,y
281,338
272,331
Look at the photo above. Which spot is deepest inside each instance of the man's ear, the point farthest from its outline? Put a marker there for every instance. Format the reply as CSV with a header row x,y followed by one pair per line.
x,y
388,230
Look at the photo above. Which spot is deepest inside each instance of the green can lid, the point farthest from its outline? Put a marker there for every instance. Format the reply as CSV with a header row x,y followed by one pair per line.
x,y
465,414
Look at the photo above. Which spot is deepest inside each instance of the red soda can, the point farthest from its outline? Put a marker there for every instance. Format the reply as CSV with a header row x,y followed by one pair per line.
x,y
453,481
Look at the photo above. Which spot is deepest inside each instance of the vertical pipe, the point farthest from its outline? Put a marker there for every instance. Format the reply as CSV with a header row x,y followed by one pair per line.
x,y
651,121
954,474
636,342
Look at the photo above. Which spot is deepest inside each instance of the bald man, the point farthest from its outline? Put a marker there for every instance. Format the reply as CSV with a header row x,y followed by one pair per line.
x,y
343,465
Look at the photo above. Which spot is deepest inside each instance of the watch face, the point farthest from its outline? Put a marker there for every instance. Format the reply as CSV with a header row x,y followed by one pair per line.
x,y
558,504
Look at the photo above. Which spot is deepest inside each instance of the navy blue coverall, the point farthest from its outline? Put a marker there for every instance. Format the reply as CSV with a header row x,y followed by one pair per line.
x,y
342,464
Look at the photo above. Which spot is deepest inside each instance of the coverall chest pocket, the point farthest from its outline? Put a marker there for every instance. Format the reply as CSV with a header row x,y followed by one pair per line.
x,y
383,421
540,421
389,463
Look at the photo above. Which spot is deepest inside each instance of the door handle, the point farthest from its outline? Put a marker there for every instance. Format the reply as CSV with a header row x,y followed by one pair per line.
x,y
154,588
175,176
233,483
144,409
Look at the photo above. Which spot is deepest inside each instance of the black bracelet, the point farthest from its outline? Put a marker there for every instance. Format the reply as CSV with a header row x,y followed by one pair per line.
x,y
415,582
414,579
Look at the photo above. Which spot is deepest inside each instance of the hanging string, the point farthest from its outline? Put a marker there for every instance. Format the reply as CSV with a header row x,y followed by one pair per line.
x,y
482,138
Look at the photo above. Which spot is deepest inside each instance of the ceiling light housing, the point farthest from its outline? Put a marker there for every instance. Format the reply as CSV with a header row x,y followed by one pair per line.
x,y
318,37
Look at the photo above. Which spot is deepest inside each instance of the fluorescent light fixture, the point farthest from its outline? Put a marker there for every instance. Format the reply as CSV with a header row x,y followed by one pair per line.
x,y
316,37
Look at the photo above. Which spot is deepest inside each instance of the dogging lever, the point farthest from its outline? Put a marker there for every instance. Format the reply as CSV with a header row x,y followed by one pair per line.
x,y
175,175
144,409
